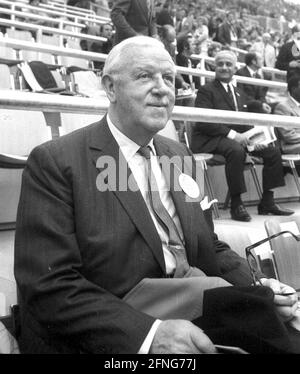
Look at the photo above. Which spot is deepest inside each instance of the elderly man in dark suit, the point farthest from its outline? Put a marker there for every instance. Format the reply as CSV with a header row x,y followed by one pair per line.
x,y
231,142
113,252
133,17
289,54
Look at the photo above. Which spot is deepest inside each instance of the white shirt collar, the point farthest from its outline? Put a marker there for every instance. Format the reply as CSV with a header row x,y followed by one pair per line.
x,y
294,100
128,147
297,42
232,83
251,71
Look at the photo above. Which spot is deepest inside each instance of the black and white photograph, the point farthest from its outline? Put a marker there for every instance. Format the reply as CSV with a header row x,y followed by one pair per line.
x,y
149,178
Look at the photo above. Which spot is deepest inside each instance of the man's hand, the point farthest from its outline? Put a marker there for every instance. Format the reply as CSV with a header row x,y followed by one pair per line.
x,y
259,147
180,337
286,306
242,139
185,85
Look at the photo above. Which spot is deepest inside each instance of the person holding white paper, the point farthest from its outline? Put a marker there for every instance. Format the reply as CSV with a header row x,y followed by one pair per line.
x,y
231,141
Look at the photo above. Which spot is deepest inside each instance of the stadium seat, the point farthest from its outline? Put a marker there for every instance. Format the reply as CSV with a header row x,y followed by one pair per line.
x,y
209,159
73,61
285,249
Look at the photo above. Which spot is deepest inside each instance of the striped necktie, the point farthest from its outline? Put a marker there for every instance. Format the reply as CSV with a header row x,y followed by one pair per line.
x,y
175,244
229,92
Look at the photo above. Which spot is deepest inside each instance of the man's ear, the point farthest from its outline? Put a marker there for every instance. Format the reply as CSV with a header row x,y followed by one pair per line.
x,y
109,87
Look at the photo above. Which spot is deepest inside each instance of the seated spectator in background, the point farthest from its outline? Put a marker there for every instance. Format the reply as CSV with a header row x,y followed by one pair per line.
x,y
231,142
132,18
289,138
200,36
212,50
215,28
289,54
228,31
252,69
266,49
167,36
184,81
165,16
106,31
87,276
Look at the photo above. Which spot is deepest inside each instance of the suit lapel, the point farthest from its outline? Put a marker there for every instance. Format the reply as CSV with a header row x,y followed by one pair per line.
x,y
102,143
186,216
224,94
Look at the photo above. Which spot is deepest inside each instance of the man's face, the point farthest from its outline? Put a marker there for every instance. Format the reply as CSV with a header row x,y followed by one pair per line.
x,y
266,39
188,50
225,68
144,92
230,17
258,61
107,31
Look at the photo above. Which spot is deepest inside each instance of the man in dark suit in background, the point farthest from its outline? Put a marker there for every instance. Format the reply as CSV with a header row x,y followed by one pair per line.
x,y
231,142
253,61
86,243
133,17
228,32
289,54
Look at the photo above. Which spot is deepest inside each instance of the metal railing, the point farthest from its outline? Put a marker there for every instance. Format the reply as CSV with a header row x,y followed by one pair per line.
x,y
60,51
18,100
55,13
60,22
52,30
266,69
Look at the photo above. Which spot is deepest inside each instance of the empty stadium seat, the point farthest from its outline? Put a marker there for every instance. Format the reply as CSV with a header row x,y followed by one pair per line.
x,y
26,36
55,40
73,61
87,83
6,81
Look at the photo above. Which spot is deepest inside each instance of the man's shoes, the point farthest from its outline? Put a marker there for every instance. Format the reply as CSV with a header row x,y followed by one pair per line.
x,y
273,209
239,213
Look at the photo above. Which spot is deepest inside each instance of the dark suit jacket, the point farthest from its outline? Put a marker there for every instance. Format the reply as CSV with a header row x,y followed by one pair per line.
x,y
78,251
289,137
205,136
130,18
223,34
287,53
251,91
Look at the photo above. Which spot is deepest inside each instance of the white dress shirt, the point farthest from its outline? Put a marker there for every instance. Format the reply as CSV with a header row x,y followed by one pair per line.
x,y
232,133
137,165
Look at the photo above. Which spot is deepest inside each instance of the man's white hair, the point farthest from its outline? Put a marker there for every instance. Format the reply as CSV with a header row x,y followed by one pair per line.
x,y
117,56
226,53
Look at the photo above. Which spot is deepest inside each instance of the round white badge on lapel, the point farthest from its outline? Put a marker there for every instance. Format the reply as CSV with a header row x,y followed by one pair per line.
x,y
189,186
